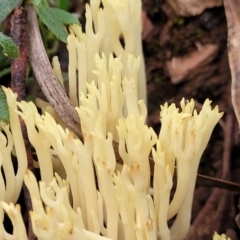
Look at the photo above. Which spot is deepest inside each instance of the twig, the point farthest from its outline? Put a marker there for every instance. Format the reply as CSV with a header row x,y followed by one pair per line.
x,y
46,78
217,183
227,144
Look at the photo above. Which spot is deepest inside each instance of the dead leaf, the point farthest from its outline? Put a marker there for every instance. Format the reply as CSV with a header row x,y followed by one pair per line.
x,y
180,67
188,8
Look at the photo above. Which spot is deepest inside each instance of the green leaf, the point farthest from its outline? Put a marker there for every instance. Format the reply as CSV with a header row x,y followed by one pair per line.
x,y
37,2
7,6
62,4
4,112
10,49
65,17
51,20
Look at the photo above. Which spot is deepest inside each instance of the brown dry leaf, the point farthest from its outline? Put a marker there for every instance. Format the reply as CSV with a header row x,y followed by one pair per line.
x,y
180,67
147,25
188,8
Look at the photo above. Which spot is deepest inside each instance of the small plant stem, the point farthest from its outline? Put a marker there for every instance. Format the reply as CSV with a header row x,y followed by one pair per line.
x,y
18,72
19,65
46,78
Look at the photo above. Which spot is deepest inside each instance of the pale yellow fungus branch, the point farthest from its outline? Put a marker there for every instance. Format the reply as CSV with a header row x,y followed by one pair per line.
x,y
60,140
57,70
126,209
111,42
135,143
105,27
104,160
57,219
134,182
162,185
203,123
184,155
37,138
82,162
93,39
7,185
123,207
216,236
14,213
105,97
127,23
130,85
18,142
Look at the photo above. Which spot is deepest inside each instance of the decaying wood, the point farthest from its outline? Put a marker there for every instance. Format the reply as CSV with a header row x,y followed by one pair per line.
x,y
232,11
